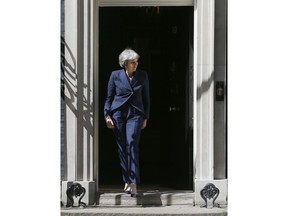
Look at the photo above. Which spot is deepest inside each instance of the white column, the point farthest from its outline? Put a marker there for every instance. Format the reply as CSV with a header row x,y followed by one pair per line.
x,y
204,18
79,97
203,88
70,80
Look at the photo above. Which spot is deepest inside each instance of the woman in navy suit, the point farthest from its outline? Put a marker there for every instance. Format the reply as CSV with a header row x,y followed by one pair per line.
x,y
126,111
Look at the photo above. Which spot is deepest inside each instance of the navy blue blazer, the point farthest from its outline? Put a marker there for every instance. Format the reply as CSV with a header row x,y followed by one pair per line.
x,y
121,90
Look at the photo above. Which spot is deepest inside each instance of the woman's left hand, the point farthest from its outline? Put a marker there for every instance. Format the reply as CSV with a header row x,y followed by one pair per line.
x,y
144,123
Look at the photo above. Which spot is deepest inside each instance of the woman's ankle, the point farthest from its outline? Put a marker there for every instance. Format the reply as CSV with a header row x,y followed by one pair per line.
x,y
133,187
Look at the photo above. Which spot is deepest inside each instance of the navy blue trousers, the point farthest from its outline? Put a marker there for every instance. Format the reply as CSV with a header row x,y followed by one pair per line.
x,y
128,121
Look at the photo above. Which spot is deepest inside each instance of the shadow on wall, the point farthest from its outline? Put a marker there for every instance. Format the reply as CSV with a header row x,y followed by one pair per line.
x,y
76,97
205,86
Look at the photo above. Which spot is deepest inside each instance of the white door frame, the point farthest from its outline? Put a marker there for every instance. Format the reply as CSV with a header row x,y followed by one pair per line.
x,y
116,3
203,70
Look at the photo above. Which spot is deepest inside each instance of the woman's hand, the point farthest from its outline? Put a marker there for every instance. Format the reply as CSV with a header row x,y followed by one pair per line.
x,y
144,123
109,123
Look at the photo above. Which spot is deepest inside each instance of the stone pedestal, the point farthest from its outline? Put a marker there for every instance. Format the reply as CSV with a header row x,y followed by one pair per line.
x,y
88,198
220,184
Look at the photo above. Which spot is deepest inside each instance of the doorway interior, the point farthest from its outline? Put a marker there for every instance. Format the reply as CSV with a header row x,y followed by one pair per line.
x,y
163,37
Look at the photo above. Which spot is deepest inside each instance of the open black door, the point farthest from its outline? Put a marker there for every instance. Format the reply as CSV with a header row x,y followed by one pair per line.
x,y
163,37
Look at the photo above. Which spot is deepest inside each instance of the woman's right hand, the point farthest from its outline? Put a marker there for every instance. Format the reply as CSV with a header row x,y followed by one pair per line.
x,y
109,123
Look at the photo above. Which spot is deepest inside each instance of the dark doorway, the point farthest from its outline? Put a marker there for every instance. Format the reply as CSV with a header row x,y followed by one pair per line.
x,y
163,37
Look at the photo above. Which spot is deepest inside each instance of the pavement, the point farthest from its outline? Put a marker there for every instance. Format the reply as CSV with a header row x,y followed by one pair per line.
x,y
143,211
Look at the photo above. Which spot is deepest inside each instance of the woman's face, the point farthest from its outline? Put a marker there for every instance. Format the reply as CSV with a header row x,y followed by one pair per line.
x,y
132,65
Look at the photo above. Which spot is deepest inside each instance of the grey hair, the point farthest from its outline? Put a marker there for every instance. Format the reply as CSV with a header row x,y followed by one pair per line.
x,y
127,54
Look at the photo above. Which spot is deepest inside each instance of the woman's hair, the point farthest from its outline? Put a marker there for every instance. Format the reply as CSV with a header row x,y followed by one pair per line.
x,y
127,54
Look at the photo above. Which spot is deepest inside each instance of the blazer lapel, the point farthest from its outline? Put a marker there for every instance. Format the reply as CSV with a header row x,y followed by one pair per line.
x,y
134,79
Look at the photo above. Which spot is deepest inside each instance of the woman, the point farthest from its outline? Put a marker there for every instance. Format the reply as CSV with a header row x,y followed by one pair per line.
x,y
126,111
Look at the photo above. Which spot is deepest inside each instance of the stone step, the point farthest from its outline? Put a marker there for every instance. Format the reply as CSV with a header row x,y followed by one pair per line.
x,y
146,199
